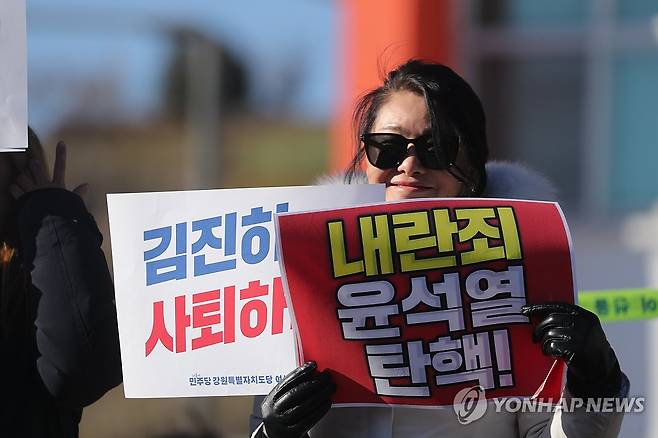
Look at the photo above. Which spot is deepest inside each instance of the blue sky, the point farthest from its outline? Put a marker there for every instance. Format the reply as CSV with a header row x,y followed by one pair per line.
x,y
124,42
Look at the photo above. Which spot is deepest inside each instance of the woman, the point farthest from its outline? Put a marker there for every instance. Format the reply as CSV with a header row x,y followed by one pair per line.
x,y
423,134
58,329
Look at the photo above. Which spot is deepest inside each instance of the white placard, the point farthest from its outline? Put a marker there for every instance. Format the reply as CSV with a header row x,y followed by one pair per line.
x,y
13,76
181,259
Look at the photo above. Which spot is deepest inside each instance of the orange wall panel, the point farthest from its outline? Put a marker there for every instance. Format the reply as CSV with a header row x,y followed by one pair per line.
x,y
374,37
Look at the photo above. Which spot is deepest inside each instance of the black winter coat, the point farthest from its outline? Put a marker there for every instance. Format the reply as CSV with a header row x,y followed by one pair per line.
x,y
59,343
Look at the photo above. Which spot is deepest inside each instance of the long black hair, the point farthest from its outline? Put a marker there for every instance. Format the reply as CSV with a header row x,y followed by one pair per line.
x,y
455,112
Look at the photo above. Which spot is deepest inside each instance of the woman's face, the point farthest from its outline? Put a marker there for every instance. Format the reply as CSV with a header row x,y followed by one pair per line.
x,y
405,113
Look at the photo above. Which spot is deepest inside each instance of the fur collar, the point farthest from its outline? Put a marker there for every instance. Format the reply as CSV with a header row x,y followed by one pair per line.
x,y
504,180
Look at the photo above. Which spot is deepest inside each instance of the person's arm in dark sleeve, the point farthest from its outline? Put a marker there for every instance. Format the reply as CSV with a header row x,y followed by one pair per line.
x,y
76,325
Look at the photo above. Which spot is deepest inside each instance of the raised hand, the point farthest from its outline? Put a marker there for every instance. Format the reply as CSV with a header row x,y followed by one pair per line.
x,y
35,174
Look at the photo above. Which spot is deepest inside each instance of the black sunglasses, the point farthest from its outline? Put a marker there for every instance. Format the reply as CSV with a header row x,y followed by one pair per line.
x,y
388,150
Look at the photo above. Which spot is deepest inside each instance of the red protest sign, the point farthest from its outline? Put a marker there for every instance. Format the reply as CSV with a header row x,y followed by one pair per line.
x,y
407,303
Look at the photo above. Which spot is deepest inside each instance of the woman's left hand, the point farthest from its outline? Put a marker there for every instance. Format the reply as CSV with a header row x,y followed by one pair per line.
x,y
36,176
575,334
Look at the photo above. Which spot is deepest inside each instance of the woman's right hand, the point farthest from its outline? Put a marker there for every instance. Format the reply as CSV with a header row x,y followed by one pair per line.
x,y
298,402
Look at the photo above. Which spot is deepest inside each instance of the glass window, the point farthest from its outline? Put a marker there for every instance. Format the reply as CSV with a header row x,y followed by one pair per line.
x,y
532,13
534,114
636,9
634,131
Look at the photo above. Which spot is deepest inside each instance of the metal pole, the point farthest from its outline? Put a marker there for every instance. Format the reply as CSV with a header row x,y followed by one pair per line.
x,y
203,153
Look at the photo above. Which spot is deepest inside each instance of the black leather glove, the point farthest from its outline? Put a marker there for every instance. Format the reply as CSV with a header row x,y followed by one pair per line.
x,y
575,334
298,402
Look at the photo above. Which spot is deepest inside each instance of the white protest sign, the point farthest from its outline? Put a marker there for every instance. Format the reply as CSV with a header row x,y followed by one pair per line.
x,y
199,299
13,76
